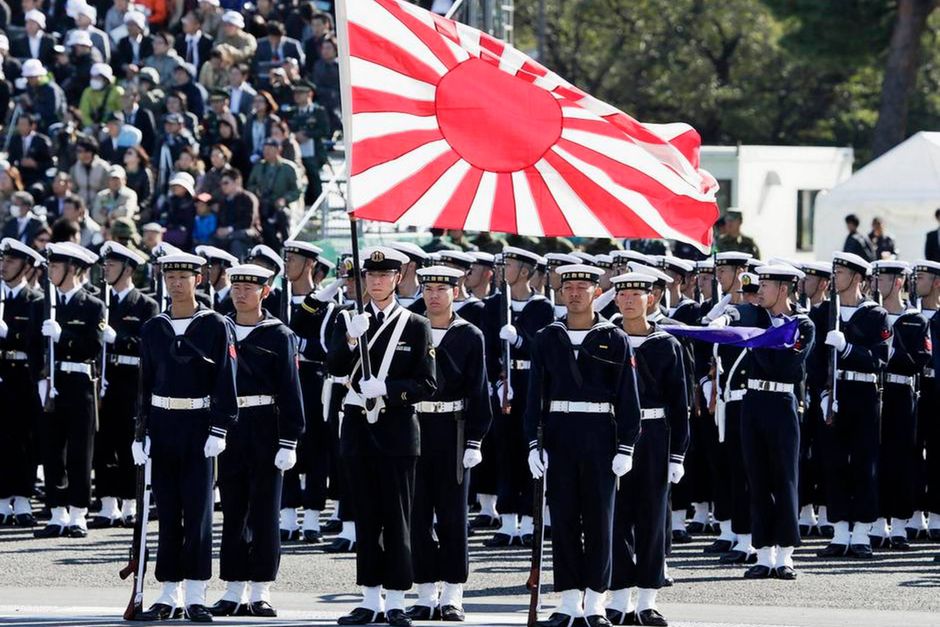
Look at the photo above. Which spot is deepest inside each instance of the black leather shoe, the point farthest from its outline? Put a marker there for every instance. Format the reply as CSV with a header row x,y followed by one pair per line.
x,y
738,557
651,617
332,526
6,520
668,581
130,521
24,520
423,612
452,614
312,536
681,536
526,539
597,621
262,608
860,551
834,550
913,534
558,620
806,530
158,611
827,531
757,571
696,527
227,608
51,531
397,618
103,522
361,616
290,535
340,545
718,546
484,521
547,532
616,617
77,532
499,540
198,613
879,542
933,535
785,572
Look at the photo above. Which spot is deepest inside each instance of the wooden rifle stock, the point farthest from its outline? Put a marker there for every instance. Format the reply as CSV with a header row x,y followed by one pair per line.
x,y
832,382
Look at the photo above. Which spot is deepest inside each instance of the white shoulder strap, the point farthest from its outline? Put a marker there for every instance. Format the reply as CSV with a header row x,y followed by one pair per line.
x,y
392,344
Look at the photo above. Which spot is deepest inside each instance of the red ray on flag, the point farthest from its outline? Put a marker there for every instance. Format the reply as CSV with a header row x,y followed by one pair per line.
x,y
448,127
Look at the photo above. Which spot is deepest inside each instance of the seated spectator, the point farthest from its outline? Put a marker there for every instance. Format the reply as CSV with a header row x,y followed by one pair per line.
x,y
178,212
73,70
151,96
326,78
101,98
209,13
178,102
258,125
319,27
190,163
61,188
35,43
75,210
114,18
42,237
184,83
65,230
151,236
140,118
219,160
241,94
42,96
10,183
30,151
290,149
274,48
164,58
90,172
276,183
175,138
214,73
23,222
140,179
135,47
229,137
311,126
195,47
206,222
239,217
117,137
85,18
233,33
117,201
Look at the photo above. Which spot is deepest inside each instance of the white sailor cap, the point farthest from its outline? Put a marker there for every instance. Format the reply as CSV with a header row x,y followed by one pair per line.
x,y
779,272
520,254
326,263
603,261
211,253
304,249
705,265
483,259
931,267
16,248
676,264
249,273
633,281
851,261
753,263
583,257
579,272
749,283
626,256
658,275
153,226
267,253
380,258
165,248
182,262
817,268
440,274
560,259
119,252
415,253
71,252
458,258
184,180
732,258
35,15
780,261
891,266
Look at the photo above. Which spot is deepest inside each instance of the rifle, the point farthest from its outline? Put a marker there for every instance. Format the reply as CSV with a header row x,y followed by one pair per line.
x,y
286,296
507,319
716,359
137,560
534,583
3,302
106,292
833,378
49,307
372,407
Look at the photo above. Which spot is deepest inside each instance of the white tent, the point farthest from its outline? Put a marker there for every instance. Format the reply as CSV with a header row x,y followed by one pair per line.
x,y
901,186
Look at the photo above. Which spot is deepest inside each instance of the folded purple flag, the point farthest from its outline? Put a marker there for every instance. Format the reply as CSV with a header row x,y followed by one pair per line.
x,y
783,336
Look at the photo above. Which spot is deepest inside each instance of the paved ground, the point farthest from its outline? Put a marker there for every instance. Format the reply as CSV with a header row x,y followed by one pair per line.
x,y
75,582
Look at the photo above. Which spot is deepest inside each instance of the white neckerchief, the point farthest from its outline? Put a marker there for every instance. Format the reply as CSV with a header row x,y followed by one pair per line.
x,y
519,305
67,296
437,335
846,312
180,325
636,341
242,331
576,336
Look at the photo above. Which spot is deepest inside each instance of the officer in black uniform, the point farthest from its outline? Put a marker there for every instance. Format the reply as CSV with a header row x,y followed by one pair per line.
x,y
262,445
188,403
215,278
380,438
466,305
453,423
770,431
68,434
928,292
114,465
641,508
850,443
583,394
20,365
910,353
265,257
531,312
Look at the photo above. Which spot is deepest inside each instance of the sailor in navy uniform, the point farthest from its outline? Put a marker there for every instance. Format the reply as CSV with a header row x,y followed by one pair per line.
x,y
114,465
480,276
466,305
909,354
680,307
850,443
20,364
770,431
312,313
641,507
409,289
554,261
531,312
265,257
188,403
453,423
68,431
380,437
216,277
261,446
927,455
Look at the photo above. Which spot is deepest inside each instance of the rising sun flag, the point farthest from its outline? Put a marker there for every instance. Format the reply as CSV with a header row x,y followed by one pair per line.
x,y
448,127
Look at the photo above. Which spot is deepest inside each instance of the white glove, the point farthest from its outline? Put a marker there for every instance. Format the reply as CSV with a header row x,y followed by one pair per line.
x,y
707,388
358,325
214,446
472,457
509,334
108,334
836,339
499,391
4,329
51,328
676,472
718,323
622,464
537,466
327,294
141,451
719,308
285,459
373,388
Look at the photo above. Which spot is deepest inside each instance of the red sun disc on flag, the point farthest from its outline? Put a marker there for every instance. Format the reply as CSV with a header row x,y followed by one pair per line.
x,y
448,127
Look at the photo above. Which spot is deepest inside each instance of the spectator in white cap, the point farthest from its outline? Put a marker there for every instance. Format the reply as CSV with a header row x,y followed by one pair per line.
x,y
137,46
73,67
10,65
209,13
85,18
114,19
35,44
151,236
178,214
101,98
233,33
117,200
